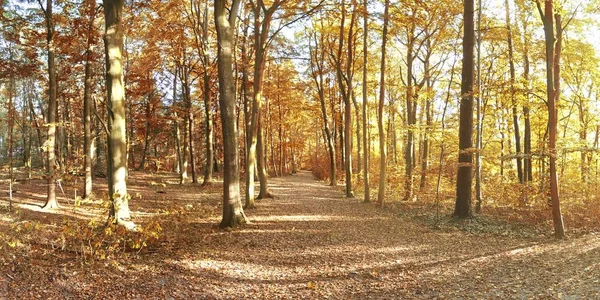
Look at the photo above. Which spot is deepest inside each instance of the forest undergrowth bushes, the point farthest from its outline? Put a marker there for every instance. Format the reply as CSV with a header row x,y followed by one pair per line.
x,y
93,239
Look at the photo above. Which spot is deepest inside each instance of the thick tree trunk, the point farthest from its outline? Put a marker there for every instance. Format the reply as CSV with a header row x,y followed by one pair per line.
x,y
225,19
117,142
50,145
382,141
463,208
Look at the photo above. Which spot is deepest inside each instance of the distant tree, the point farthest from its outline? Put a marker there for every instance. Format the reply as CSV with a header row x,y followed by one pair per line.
x,y
225,21
317,72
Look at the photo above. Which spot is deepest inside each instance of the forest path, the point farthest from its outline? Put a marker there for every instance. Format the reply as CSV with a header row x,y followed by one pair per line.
x,y
308,242
312,242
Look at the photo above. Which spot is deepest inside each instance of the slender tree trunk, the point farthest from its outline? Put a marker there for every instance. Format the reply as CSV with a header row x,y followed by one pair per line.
x,y
207,96
185,155
478,194
262,165
317,59
382,141
410,120
515,114
346,91
208,171
117,142
463,208
11,125
527,161
38,130
261,34
225,19
146,135
428,123
365,88
87,118
191,142
552,91
50,145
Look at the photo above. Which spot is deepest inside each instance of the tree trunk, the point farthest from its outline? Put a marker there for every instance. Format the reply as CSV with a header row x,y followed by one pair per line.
x,y
428,122
208,171
191,137
552,91
262,165
346,91
365,141
50,145
479,140
317,59
38,130
382,141
410,119
87,119
462,208
515,114
11,125
225,19
117,142
527,162
146,135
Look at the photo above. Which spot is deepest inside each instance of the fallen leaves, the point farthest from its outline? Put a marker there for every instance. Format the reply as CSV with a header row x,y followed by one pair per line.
x,y
308,243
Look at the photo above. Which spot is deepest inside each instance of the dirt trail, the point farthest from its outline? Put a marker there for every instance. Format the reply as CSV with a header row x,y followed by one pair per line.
x,y
310,242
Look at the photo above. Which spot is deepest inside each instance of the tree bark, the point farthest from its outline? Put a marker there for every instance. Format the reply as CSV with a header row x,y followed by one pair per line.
x,y
117,141
382,141
50,145
87,119
552,91
463,208
410,113
262,164
317,59
225,19
515,114
479,141
365,141
345,84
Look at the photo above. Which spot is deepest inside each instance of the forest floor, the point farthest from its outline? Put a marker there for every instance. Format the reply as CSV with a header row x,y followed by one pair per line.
x,y
308,242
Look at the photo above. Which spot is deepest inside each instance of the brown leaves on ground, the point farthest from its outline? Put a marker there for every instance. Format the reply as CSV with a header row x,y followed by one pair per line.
x,y
308,242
